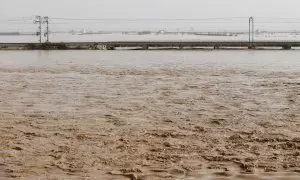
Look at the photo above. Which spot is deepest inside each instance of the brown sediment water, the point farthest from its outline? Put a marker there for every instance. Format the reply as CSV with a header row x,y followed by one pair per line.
x,y
74,119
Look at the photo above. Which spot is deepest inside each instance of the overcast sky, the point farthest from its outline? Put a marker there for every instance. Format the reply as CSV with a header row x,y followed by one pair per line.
x,y
149,8
139,9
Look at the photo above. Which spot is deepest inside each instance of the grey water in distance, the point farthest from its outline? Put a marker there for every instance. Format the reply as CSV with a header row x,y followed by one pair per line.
x,y
148,37
280,61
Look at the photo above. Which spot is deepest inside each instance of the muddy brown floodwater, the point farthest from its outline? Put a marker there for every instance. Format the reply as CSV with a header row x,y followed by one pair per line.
x,y
150,115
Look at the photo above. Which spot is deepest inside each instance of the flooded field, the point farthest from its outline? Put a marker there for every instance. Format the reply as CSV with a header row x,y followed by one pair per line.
x,y
150,115
150,37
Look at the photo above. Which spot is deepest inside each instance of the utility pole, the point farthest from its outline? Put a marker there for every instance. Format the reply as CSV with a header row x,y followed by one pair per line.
x,y
38,20
46,20
251,32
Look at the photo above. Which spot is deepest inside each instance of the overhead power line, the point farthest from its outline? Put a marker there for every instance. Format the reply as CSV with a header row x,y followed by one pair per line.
x,y
144,19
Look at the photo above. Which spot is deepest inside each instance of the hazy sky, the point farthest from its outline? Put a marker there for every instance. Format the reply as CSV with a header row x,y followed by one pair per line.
x,y
139,9
149,8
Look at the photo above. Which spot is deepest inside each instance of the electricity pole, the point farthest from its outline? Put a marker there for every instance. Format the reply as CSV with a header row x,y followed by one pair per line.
x,y
251,32
38,20
46,20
